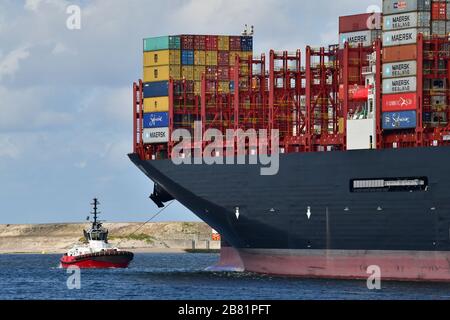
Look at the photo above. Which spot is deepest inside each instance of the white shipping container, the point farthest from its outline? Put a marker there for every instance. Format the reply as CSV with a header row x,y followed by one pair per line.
x,y
366,38
399,85
156,135
407,21
400,69
400,37
401,6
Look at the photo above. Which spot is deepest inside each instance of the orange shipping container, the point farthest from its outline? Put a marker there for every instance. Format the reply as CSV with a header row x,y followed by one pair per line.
x,y
400,53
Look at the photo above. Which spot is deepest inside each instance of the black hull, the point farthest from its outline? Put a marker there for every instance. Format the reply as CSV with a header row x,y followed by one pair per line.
x,y
273,209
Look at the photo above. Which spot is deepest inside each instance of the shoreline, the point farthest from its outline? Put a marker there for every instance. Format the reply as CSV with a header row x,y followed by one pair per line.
x,y
157,237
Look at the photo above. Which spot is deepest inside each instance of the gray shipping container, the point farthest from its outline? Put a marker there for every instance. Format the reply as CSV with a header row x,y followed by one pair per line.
x,y
437,101
402,6
407,21
439,28
399,69
399,85
399,37
366,38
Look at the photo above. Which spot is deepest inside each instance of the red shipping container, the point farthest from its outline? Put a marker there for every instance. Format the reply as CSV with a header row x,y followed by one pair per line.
x,y
200,43
211,43
439,11
222,73
359,22
180,86
210,86
211,72
223,58
399,102
231,73
235,43
187,42
354,74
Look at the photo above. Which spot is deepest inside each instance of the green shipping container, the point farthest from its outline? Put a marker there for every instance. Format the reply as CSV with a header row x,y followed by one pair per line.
x,y
162,43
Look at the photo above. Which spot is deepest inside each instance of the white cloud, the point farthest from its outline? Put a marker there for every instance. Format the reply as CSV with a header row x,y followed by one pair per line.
x,y
29,109
8,148
32,5
81,165
60,48
10,64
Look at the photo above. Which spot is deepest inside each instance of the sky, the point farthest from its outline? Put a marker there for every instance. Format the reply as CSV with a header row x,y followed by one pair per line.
x,y
65,95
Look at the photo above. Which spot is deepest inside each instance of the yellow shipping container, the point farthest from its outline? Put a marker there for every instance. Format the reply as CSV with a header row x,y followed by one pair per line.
x,y
341,125
233,55
187,72
197,88
244,55
200,58
159,104
224,86
162,58
211,58
223,43
161,73
244,70
198,71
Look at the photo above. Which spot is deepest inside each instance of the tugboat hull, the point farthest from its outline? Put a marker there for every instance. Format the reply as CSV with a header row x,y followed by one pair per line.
x,y
101,260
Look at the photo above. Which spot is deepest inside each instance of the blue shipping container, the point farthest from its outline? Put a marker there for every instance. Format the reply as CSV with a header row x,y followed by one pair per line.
x,y
232,86
399,120
247,43
187,57
156,89
156,120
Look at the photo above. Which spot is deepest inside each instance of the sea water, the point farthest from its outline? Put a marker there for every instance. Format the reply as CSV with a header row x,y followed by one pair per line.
x,y
184,276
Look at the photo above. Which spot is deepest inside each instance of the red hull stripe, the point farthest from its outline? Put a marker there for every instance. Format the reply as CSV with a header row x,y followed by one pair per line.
x,y
394,265
93,264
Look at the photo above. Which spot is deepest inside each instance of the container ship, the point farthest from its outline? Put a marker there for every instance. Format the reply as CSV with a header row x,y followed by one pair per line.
x,y
364,145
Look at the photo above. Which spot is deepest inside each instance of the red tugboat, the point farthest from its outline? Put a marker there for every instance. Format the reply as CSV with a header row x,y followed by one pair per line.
x,y
98,253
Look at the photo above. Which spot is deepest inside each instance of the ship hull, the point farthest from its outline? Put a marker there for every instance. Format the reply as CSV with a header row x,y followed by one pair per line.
x,y
117,260
306,221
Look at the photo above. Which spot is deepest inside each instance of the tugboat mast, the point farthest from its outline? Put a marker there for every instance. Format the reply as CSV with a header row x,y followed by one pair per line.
x,y
95,213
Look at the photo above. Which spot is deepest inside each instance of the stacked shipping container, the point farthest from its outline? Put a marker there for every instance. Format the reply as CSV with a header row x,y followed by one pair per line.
x,y
435,69
359,29
185,59
162,60
402,23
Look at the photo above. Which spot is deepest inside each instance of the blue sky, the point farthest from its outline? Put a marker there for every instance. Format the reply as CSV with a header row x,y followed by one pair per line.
x,y
65,95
